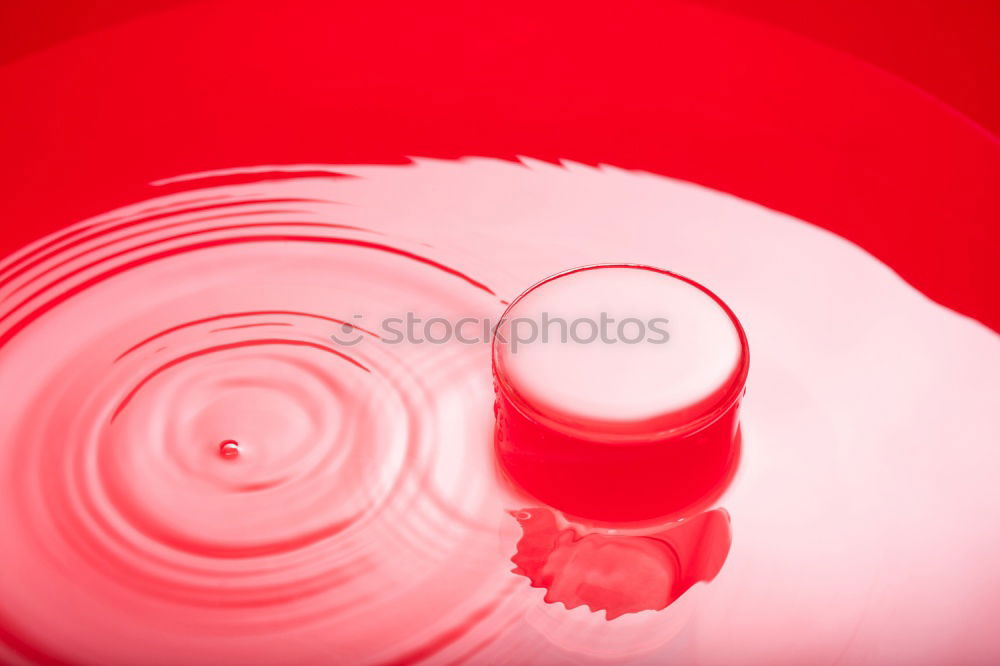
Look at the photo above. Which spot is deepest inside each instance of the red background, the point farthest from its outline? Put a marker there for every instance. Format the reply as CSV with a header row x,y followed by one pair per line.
x,y
876,120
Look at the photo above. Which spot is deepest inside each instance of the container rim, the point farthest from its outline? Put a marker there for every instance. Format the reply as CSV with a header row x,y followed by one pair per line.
x,y
713,412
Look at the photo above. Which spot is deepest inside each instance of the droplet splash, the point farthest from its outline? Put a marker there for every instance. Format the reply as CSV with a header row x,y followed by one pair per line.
x,y
619,574
229,449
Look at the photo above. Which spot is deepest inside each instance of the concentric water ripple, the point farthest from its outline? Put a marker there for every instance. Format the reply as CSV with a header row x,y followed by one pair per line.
x,y
361,520
344,512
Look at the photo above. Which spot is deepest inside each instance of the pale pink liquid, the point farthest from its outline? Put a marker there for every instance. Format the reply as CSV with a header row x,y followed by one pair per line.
x,y
363,519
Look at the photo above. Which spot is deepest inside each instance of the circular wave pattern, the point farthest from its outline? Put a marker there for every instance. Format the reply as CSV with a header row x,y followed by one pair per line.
x,y
194,466
160,311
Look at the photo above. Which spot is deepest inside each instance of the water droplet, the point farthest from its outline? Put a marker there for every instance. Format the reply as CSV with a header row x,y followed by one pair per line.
x,y
229,449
